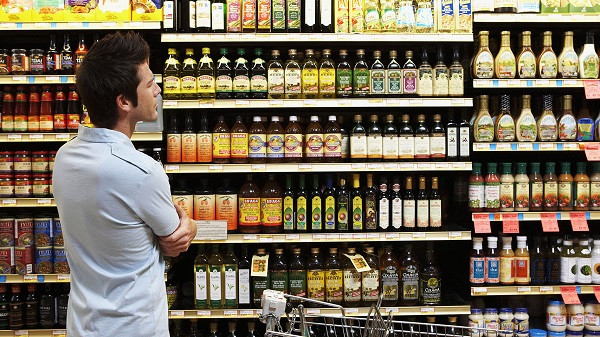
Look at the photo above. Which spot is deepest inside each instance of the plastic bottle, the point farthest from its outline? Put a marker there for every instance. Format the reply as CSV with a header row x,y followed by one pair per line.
x,y
556,316
507,326
491,322
575,317
492,262
596,264
584,262
477,263
592,316
507,262
476,322
568,261
522,261
507,189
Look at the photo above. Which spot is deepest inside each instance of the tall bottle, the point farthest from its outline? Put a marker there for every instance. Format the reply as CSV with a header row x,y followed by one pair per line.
x,y
383,206
172,76
361,76
477,263
297,274
249,207
221,142
393,75
316,206
505,124
522,262
278,269
374,140
582,188
526,61
370,200
409,207
343,76
173,140
389,271
239,142
550,188
522,193
358,141
371,278
310,21
271,206
425,82
313,141
483,126
206,82
568,262
492,188
505,64
406,141
52,57
356,196
275,141
67,61
440,75
326,76
241,79
377,75
585,124
189,141
218,16
352,280
275,76
430,282
334,288
483,62
81,51
409,75
526,128
189,76
588,59
507,262
332,143
567,124
258,76
257,142
538,258
492,262
328,203
215,279
292,76
409,277
437,140
302,206
201,267
422,206
565,188
310,76
390,144
568,61
422,140
230,278
547,62
396,206
456,75
315,284
342,207
547,128
584,262
435,205
259,283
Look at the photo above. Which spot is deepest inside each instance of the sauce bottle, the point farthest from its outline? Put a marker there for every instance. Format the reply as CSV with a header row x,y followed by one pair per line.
x,y
538,259
536,183
476,189
316,206
239,142
526,124
565,188
437,139
174,140
507,189
332,141
204,141
522,262
477,263
550,188
46,119
522,195
584,264
546,62
73,110
409,75
20,114
390,139
293,141
204,202
505,64
377,75
553,260
595,188
301,206
358,141
249,207
33,115
505,124
568,261
526,62
313,141
226,202
483,62
221,142
585,124
507,262
60,110
547,129
257,142
492,262
394,76
492,189
259,283
582,188
275,141
422,206
483,127
271,209
568,61
567,124
588,59
188,140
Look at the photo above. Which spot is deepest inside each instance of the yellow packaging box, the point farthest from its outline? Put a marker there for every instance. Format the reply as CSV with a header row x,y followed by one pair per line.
x,y
554,6
446,15
48,10
357,16
80,10
342,16
113,10
145,12
464,18
16,10
581,6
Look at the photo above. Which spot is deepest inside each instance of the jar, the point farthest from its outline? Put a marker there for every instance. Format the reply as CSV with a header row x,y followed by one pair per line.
x,y
37,64
22,162
507,324
51,158
41,185
572,333
556,316
4,62
7,186
592,316
521,322
39,162
23,186
491,322
537,333
591,333
575,317
6,162
19,62
476,322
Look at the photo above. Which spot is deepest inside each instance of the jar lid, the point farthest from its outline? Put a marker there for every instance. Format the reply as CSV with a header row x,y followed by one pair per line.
x,y
555,302
509,310
574,333
5,153
6,176
521,310
537,333
22,176
491,310
18,51
35,153
556,334
592,333
37,51
22,152
476,311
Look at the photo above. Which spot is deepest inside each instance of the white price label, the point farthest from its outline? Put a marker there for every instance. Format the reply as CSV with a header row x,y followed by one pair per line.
x,y
9,202
547,146
292,237
319,237
523,290
423,166
177,313
44,201
59,333
546,290
417,235
170,103
30,278
406,166
242,102
514,83
375,167
358,167
454,235
109,24
230,313
64,278
51,79
14,137
310,102
390,166
481,146
74,24
63,136
313,311
265,238
542,82
203,313
215,168
172,168
570,82
276,102
246,313
136,24
344,102
525,147
36,136
392,236
360,237
19,79
346,237
21,333
482,83
304,167
352,311
250,238
415,102
503,147
458,101
372,236
479,290
258,167
442,166
427,310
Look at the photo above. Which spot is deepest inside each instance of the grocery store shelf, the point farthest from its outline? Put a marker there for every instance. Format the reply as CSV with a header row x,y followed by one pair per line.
x,y
79,25
247,313
318,103
537,216
345,237
526,146
63,137
34,333
315,37
34,278
317,167
529,83
27,202
48,79
527,290
536,18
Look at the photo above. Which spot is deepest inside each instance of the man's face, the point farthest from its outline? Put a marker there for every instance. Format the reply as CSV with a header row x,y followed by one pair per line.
x,y
147,91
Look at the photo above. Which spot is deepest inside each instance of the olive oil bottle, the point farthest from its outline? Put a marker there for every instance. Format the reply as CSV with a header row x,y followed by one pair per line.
x,y
361,76
189,89
172,76
206,75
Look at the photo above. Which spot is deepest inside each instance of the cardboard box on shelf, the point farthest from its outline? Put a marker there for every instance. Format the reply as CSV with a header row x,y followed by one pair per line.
x,y
48,10
554,6
113,10
16,10
146,10
80,10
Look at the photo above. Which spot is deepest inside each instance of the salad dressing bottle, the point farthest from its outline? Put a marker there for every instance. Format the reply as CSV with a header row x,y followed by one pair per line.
x,y
483,127
547,62
526,125
536,183
504,64
567,124
585,124
521,189
505,124
565,188
547,130
588,59
507,262
550,188
526,62
568,61
483,62
582,188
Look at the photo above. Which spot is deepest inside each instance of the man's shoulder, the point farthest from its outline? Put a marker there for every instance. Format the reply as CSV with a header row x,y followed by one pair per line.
x,y
135,158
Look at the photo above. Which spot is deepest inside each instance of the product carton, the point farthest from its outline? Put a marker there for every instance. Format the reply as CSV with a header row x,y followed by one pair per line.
x,y
446,15
464,19
146,10
80,10
342,16
357,16
16,10
581,6
554,6
48,10
113,10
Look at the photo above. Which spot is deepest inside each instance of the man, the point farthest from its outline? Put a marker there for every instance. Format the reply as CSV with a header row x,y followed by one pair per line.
x,y
114,202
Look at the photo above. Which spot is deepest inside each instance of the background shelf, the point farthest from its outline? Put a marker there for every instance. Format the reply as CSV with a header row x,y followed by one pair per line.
x,y
530,146
42,26
63,137
527,290
27,202
315,37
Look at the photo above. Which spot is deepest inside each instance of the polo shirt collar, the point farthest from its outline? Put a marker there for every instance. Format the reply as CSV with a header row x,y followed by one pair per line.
x,y
103,135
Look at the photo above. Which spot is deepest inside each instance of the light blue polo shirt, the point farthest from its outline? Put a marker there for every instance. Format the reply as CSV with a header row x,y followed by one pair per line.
x,y
113,201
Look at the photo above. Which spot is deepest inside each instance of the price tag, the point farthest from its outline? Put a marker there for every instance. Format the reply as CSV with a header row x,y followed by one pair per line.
x,y
346,237
44,201
393,102
30,278
504,147
265,238
579,222
510,223
315,36
376,102
59,333
390,167
52,79
136,24
482,223
592,89
477,291
230,313
246,238
9,202
442,166
304,167
64,278
178,313
313,311
74,24
549,222
514,83
427,310
358,167
458,101
570,147
203,313
392,236
525,146
242,102
454,235
392,310
231,36
63,136
592,151
36,136
481,146
352,311
569,82
415,101
597,292
423,166
246,313
276,102
258,167
546,290
109,24
14,137
167,103
185,37
215,168
310,102
206,105
406,166
319,237
292,237
332,237
360,237
19,79
172,168
21,333
373,236
417,235
524,290
344,102
375,167
547,146
461,166
482,83
7,25
542,82
569,295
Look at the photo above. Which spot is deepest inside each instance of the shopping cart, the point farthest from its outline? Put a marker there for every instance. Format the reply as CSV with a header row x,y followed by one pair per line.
x,y
275,305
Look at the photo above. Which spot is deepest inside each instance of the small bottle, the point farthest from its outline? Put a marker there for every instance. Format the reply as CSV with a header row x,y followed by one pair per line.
x,y
507,189
483,126
483,62
547,128
595,261
567,124
565,188
582,188
361,77
221,142
568,261
377,75
526,61
522,262
505,64
505,124
584,263
275,141
313,141
568,61
477,263
536,183
538,256
585,124
491,322
492,262
522,190
507,262
588,59
492,189
550,188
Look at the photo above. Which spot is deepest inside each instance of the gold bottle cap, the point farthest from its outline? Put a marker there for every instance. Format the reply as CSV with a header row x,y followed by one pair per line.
x,y
309,52
275,52
351,250
279,251
360,52
333,250
389,118
314,250
370,250
421,118
408,54
357,118
343,52
437,117
260,251
377,54
292,52
205,50
406,118
326,52
297,250
393,54
374,118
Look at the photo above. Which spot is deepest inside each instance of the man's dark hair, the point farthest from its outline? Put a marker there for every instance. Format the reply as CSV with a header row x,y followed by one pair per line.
x,y
110,69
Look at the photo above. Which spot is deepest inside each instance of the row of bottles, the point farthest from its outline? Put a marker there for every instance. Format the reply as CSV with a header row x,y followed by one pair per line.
x,y
521,192
27,307
303,209
500,125
53,61
194,329
350,278
45,109
312,75
312,143
550,260
546,64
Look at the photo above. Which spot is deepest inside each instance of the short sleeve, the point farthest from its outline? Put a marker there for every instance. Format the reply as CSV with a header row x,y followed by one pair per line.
x,y
153,204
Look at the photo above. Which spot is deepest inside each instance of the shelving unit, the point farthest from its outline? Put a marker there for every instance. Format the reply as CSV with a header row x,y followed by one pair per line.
x,y
534,146
318,103
34,333
63,137
529,83
35,278
27,202
537,216
536,18
42,26
48,79
314,37
527,290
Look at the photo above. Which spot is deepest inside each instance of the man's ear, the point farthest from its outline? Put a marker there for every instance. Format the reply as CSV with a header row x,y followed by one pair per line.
x,y
123,104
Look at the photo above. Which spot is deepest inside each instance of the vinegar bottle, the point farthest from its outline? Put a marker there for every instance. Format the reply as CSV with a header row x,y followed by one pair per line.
x,y
221,142
239,142
492,262
204,141
507,262
271,210
249,207
173,140
189,140
522,261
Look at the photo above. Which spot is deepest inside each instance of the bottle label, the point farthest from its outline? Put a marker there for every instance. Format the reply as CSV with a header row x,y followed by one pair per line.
x,y
440,82
410,283
522,195
201,287
352,285
278,19
271,212
293,81
537,194
189,85
484,65
590,65
437,145
264,15
422,147
275,147
358,146
370,212
275,81
584,272
425,83
186,202
370,285
390,147
374,146
293,14
332,146
591,319
548,65
406,147
171,85
231,286
456,83
356,17
585,129
378,82
260,284
293,145
249,209
384,213
301,214
218,16
204,147
556,319
310,81
279,280
330,213
346,146
224,83
288,213
342,212
258,83
452,142
310,13
582,194
188,151
314,145
327,80
422,213
568,269
568,65
221,145
424,17
361,81
316,285
241,83
298,283
409,214
227,210
547,128
485,129
257,145
506,128
550,194
564,194
431,288
522,269
397,213
435,213
202,14
492,195
477,270
567,128
526,65
372,22
507,196
335,287
394,81
507,269
465,143
239,145
409,81
357,214
505,65
389,283
343,82
204,207
316,214
492,270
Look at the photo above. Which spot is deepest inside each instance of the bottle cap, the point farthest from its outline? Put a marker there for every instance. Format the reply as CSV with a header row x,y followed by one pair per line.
x,y
275,119
332,118
314,118
256,119
293,118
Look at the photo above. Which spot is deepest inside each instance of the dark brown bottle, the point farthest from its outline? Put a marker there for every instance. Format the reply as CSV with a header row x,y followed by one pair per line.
x,y
370,279
279,272
352,280
389,268
239,142
16,309
334,285
221,142
370,198
275,141
271,206
409,277
257,142
32,305
297,274
315,276
4,308
249,207
332,141
313,141
293,141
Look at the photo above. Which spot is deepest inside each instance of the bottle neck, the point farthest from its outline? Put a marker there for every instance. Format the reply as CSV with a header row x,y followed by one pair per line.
x,y
484,41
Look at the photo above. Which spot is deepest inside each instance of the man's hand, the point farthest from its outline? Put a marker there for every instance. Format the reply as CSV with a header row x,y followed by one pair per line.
x,y
179,241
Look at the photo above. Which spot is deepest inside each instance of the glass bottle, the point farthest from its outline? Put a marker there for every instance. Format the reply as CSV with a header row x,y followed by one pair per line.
x,y
358,141
249,207
374,140
326,76
258,76
224,76
483,127
584,262
422,206
568,61
230,278
293,141
206,85
547,128
425,82
505,124
565,188
409,207
310,76
313,141
278,269
316,206
239,142
507,188
492,262
356,197
67,63
390,145
81,51
275,76
342,206
32,304
389,271
409,277
302,206
370,279
409,75
406,150
526,128
483,62
260,283
505,64
172,76
430,287
422,142
588,59
221,142
456,75
332,143
393,75
297,274
189,140
241,79
550,188
257,142
526,62
585,124
595,188
476,189
271,209
292,76
507,262
553,262
377,75
328,203
344,76
352,280
275,141
370,206
440,75
189,76
546,61
334,288
492,189
582,188
522,262
315,276
361,77
568,262
567,124
396,207
52,57
536,183
201,267
215,277
537,257
522,195
477,263
437,139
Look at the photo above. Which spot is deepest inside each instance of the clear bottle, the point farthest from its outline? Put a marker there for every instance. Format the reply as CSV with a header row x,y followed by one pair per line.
x,y
582,188
588,59
565,188
393,75
595,261
477,263
344,76
492,262
327,76
505,124
370,279
241,79
547,62
584,262
568,262
410,76
389,269
568,61
310,76
409,277
215,279
526,128
456,76
483,62
258,76
224,76
292,76
275,76
507,188
567,124
361,77
352,280
547,128
422,142
522,262
425,79
526,61
189,89
550,188
483,127
505,63
374,140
